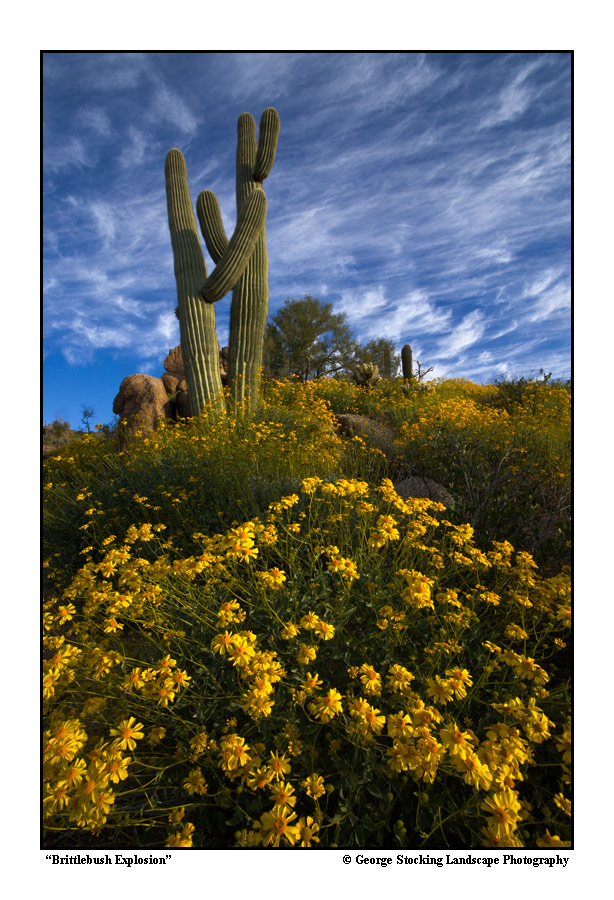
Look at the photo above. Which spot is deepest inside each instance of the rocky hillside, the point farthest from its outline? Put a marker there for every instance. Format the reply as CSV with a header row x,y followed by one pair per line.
x,y
57,435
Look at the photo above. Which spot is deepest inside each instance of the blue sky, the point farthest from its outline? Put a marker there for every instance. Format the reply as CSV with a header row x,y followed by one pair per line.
x,y
425,195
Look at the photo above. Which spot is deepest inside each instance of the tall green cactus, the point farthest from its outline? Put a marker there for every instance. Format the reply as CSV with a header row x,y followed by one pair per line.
x,y
407,363
241,264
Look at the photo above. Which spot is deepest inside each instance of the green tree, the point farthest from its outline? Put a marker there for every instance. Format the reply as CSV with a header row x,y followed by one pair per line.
x,y
382,353
307,339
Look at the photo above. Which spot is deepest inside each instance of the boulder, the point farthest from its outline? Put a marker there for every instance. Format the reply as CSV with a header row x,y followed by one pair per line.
x,y
418,486
175,368
142,400
171,382
174,363
373,433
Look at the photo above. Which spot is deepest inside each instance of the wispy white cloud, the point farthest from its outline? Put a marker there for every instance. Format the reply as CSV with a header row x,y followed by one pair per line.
x,y
554,300
539,284
114,71
465,334
262,74
499,255
167,105
105,221
514,99
371,313
66,155
134,149
97,120
508,329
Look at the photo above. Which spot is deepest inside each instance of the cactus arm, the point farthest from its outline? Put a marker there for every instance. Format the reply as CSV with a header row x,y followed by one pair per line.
x,y
267,143
210,218
235,258
247,148
199,341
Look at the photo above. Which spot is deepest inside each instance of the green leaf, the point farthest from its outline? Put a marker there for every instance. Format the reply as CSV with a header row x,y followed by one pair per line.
x,y
375,791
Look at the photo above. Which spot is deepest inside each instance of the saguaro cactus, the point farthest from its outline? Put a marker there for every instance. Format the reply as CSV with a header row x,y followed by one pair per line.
x,y
241,264
408,363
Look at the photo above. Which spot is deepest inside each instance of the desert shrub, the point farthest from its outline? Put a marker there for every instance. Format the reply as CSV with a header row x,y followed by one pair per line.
x,y
525,392
251,640
510,469
348,669
58,434
194,475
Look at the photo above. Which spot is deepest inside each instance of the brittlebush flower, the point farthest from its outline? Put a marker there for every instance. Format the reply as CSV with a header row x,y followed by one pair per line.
x,y
328,707
504,811
440,689
195,782
312,682
165,691
234,752
548,841
314,786
399,679
371,680
307,831
474,772
181,838
241,652
223,643
403,756
275,825
258,779
156,735
128,733
324,631
306,654
282,794
289,631
399,726
278,766
309,621
457,742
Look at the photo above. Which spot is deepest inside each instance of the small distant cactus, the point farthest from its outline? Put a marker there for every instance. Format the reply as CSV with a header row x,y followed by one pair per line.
x,y
366,374
407,363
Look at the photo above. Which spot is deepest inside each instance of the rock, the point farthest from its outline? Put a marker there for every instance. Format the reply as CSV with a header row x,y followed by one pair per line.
x,y
142,400
174,365
417,486
374,434
171,382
